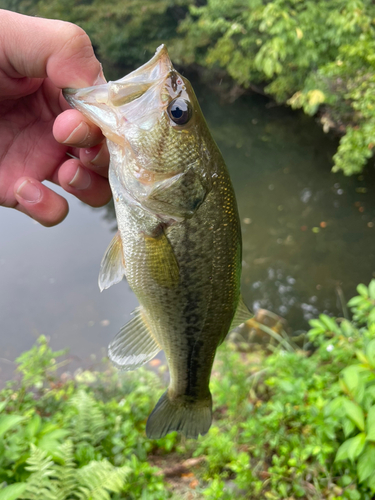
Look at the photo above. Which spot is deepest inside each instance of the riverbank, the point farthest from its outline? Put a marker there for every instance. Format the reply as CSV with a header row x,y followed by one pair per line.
x,y
297,424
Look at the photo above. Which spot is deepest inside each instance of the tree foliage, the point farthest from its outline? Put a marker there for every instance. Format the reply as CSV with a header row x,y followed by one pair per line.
x,y
311,53
123,33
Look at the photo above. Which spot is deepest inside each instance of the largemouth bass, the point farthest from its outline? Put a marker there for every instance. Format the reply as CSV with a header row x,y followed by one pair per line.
x,y
179,238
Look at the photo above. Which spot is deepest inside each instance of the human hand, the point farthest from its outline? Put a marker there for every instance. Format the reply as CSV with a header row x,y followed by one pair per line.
x,y
39,57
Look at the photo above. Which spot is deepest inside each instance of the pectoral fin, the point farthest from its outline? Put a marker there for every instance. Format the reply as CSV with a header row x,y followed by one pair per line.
x,y
161,261
112,267
178,197
134,345
241,315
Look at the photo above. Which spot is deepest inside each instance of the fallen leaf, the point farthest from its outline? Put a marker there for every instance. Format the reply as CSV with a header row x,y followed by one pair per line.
x,y
188,474
194,484
155,362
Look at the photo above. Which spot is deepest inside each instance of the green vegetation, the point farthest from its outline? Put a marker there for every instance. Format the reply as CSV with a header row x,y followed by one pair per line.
x,y
124,34
310,54
297,424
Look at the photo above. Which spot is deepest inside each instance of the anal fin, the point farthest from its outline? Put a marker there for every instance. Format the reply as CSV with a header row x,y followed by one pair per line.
x,y
112,267
134,345
241,315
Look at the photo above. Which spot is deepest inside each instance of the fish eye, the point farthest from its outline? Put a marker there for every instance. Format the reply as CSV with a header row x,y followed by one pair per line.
x,y
179,111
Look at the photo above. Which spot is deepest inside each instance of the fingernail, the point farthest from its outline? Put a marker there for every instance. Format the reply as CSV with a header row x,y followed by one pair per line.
x,y
81,179
95,152
29,192
79,134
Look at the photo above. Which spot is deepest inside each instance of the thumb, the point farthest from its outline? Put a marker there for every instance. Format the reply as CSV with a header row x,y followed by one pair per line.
x,y
40,48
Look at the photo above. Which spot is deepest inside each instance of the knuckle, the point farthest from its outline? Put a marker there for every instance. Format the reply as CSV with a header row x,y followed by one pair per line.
x,y
76,42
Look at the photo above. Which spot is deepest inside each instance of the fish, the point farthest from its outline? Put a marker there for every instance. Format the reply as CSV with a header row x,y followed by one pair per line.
x,y
179,237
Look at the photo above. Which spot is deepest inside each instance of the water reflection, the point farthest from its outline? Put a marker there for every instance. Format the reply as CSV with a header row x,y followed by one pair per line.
x,y
306,231
306,234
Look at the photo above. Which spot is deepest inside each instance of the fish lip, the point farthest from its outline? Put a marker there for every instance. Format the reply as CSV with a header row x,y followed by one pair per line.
x,y
153,70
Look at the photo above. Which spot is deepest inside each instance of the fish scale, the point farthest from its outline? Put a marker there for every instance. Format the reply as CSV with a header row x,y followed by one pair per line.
x,y
179,239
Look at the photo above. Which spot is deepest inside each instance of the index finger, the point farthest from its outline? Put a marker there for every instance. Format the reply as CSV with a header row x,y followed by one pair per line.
x,y
40,48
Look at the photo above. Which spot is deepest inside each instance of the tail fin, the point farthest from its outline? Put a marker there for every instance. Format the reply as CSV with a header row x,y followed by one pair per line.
x,y
190,417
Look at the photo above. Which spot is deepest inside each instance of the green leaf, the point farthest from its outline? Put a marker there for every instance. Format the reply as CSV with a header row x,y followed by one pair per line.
x,y
355,412
329,323
50,442
366,463
370,353
347,328
3,405
361,357
355,301
370,391
370,424
353,382
348,426
9,421
342,452
335,405
315,323
371,482
13,491
362,290
351,448
371,289
314,332
33,426
371,316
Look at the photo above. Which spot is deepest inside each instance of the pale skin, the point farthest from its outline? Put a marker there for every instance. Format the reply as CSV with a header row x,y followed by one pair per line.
x,y
38,58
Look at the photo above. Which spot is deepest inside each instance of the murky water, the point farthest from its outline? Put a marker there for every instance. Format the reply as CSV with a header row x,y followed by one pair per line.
x,y
307,234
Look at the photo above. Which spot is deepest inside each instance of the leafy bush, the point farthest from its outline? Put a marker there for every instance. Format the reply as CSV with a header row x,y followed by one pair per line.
x,y
298,424
287,424
311,53
67,439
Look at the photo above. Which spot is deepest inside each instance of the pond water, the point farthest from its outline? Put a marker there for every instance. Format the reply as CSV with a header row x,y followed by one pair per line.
x,y
308,238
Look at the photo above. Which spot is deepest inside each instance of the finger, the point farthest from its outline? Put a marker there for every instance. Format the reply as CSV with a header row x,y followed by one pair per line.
x,y
87,186
73,129
47,48
96,159
40,202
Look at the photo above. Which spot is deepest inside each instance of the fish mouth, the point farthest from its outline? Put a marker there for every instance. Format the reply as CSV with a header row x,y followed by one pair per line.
x,y
128,88
138,98
155,69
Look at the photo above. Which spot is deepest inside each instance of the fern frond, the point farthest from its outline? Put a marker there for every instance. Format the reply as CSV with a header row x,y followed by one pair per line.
x,y
97,479
39,484
66,473
40,463
89,423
